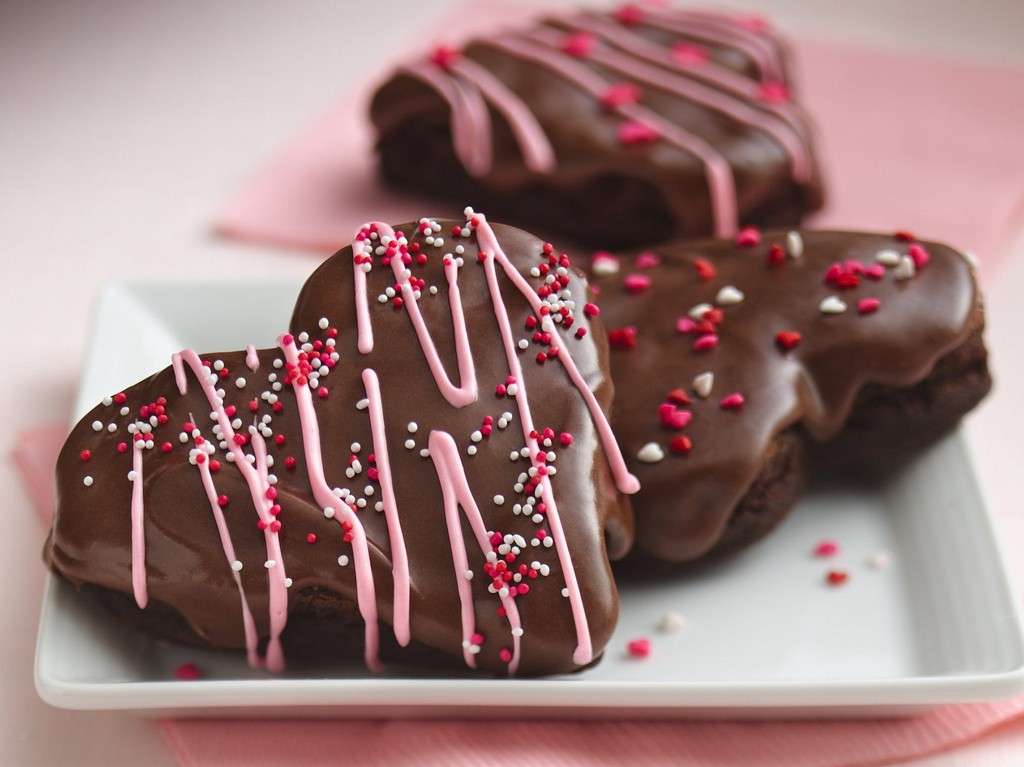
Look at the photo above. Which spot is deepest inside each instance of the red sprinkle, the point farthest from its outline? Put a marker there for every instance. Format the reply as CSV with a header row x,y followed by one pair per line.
x,y
705,342
679,397
904,236
311,538
505,654
85,455
776,255
622,338
639,648
826,548
647,260
690,54
868,305
222,501
122,447
919,254
565,438
166,447
774,92
591,310
444,56
636,132
837,577
620,94
629,14
787,339
188,672
748,237
579,45
705,269
681,444
732,401
636,283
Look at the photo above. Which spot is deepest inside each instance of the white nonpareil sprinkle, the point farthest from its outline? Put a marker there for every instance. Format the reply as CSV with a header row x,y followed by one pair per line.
x,y
343,560
471,450
329,512
499,500
468,575
728,296
410,444
794,244
362,404
270,564
413,427
887,257
699,310
324,323
517,631
240,382
651,453
703,383
671,622
605,265
87,480
97,425
832,305
879,560
905,270
288,583
237,565
565,593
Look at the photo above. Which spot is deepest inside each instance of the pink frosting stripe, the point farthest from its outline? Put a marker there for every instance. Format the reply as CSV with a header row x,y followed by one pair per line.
x,y
252,359
365,593
257,481
709,72
248,623
470,119
720,180
455,490
399,559
364,327
489,245
457,396
708,97
723,31
538,155
138,528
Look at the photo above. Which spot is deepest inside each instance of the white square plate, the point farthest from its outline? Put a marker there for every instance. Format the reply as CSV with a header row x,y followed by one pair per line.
x,y
765,636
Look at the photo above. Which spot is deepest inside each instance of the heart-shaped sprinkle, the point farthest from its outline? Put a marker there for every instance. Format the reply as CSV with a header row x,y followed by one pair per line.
x,y
887,257
703,383
905,270
604,263
729,296
651,453
787,339
794,244
832,305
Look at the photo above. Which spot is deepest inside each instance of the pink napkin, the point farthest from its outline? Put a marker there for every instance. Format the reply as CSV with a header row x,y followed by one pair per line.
x,y
909,142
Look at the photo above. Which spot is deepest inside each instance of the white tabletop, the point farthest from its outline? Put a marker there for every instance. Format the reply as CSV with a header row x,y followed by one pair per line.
x,y
125,125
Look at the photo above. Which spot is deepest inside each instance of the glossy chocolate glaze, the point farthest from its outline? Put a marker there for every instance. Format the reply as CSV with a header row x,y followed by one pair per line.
x,y
687,499
662,187
185,563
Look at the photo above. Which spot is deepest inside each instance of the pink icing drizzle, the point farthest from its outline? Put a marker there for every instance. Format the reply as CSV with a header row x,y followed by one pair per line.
x,y
457,396
719,175
705,96
249,625
252,359
138,529
399,560
470,119
365,594
722,31
455,490
257,481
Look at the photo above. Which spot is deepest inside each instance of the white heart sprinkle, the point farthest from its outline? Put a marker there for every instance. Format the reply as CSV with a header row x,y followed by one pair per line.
x,y
887,257
702,383
651,453
698,311
728,296
605,265
832,305
905,270
794,244
671,622
879,560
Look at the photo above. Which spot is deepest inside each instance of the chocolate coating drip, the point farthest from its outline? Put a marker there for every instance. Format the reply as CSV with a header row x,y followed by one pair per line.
x,y
808,380
185,565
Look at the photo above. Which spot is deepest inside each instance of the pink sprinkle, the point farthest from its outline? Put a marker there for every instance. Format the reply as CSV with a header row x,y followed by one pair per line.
x,y
639,648
874,272
647,260
505,654
591,310
477,638
732,401
629,14
636,132
826,548
674,418
705,342
188,672
689,54
636,283
919,254
774,92
620,94
444,57
287,339
578,45
565,438
868,305
748,237
685,325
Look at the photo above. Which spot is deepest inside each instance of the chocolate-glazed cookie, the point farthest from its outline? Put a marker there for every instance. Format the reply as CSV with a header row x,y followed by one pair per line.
x,y
614,129
426,449
730,357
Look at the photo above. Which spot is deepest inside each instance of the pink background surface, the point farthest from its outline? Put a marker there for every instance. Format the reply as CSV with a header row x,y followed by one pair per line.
x,y
124,142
